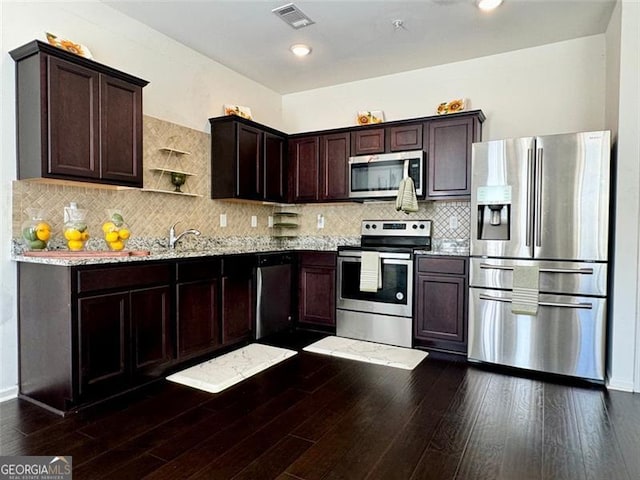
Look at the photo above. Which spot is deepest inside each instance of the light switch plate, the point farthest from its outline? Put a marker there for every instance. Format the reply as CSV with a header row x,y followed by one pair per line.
x,y
254,221
453,222
320,221
270,221
223,219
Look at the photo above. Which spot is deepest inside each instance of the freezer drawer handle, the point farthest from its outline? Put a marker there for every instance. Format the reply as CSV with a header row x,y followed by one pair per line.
x,y
582,271
587,306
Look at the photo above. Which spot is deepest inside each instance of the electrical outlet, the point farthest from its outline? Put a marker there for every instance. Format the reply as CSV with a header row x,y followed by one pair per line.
x,y
223,220
453,222
254,221
270,221
320,221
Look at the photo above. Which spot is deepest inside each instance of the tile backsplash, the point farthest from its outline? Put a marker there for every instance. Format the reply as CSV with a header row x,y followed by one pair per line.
x,y
149,214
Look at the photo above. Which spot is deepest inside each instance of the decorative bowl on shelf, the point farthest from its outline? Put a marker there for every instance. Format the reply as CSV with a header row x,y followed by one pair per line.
x,y
177,180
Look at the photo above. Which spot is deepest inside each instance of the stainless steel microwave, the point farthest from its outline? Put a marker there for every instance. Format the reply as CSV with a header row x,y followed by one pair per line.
x,y
379,176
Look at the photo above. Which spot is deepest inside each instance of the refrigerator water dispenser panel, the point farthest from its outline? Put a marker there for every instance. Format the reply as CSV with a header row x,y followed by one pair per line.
x,y
494,212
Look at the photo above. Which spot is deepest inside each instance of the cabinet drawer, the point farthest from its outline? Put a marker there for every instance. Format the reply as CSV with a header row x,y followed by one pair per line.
x,y
201,269
94,279
320,259
448,265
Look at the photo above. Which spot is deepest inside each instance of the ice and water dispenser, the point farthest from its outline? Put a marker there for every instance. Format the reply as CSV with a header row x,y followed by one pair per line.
x,y
494,212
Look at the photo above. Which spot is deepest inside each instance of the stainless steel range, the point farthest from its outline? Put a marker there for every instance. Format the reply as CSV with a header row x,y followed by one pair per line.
x,y
375,281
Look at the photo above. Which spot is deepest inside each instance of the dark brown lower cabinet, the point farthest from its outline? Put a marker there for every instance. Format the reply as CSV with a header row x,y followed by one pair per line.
x,y
317,289
90,332
238,299
440,310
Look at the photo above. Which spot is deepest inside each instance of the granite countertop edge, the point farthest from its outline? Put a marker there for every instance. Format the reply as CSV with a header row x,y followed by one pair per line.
x,y
189,254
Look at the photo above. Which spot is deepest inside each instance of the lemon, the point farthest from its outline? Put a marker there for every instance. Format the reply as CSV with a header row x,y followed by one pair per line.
x,y
111,237
117,245
124,233
43,231
84,236
108,227
72,234
75,245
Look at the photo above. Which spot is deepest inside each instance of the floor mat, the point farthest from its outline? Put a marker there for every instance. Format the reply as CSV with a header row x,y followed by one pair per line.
x,y
389,355
226,370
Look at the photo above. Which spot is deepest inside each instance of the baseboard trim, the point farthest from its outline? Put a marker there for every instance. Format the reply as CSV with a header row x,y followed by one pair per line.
x,y
8,393
620,386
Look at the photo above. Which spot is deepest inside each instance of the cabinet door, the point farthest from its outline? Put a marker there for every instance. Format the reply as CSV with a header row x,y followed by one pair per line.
x,y
274,174
304,157
237,308
440,311
317,295
151,333
367,141
73,120
103,343
449,158
121,131
197,319
334,166
248,167
405,137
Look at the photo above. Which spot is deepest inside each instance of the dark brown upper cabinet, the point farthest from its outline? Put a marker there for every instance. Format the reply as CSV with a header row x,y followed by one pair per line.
x,y
320,167
304,173
449,155
248,160
76,119
405,137
368,141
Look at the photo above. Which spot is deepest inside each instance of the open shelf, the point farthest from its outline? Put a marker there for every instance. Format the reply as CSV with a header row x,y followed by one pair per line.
x,y
171,166
158,190
171,170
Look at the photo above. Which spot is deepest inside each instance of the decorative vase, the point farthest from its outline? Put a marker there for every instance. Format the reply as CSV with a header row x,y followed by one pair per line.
x,y
178,179
75,228
116,231
36,231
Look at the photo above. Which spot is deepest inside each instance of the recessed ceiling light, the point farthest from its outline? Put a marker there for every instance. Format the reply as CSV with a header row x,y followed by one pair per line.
x,y
300,49
488,5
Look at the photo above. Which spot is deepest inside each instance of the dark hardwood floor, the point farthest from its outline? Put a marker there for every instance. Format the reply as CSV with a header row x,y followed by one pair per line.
x,y
315,417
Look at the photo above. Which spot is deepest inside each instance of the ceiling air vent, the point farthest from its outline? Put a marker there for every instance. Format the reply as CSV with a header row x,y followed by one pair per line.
x,y
292,15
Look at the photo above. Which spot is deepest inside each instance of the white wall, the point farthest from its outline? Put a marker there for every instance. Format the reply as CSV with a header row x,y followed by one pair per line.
x,y
185,88
555,88
625,324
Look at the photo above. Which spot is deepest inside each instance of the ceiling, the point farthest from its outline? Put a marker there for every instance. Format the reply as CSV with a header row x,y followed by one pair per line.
x,y
354,40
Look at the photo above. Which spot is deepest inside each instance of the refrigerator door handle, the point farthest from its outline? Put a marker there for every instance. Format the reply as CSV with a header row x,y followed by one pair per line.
x,y
529,195
586,306
582,271
538,201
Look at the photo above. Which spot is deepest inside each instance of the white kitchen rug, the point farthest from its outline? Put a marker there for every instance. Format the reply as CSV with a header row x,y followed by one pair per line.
x,y
389,355
226,370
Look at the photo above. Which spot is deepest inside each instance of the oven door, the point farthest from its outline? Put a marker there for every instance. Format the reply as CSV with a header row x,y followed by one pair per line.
x,y
395,296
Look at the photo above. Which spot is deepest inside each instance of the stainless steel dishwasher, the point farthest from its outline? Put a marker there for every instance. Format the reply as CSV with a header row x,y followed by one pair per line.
x,y
273,284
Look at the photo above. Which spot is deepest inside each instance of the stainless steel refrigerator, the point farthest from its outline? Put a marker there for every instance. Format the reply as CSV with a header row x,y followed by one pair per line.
x,y
540,205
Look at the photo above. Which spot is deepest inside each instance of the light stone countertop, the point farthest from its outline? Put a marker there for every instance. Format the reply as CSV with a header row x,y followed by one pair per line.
x,y
211,247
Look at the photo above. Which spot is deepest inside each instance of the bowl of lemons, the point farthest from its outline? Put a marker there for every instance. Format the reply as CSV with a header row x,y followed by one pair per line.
x,y
36,231
116,231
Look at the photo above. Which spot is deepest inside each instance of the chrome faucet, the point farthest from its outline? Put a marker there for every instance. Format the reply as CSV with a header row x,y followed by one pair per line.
x,y
173,239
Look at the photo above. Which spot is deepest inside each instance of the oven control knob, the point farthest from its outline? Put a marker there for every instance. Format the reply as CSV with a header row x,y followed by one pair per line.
x,y
367,226
374,226
415,226
400,295
422,226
